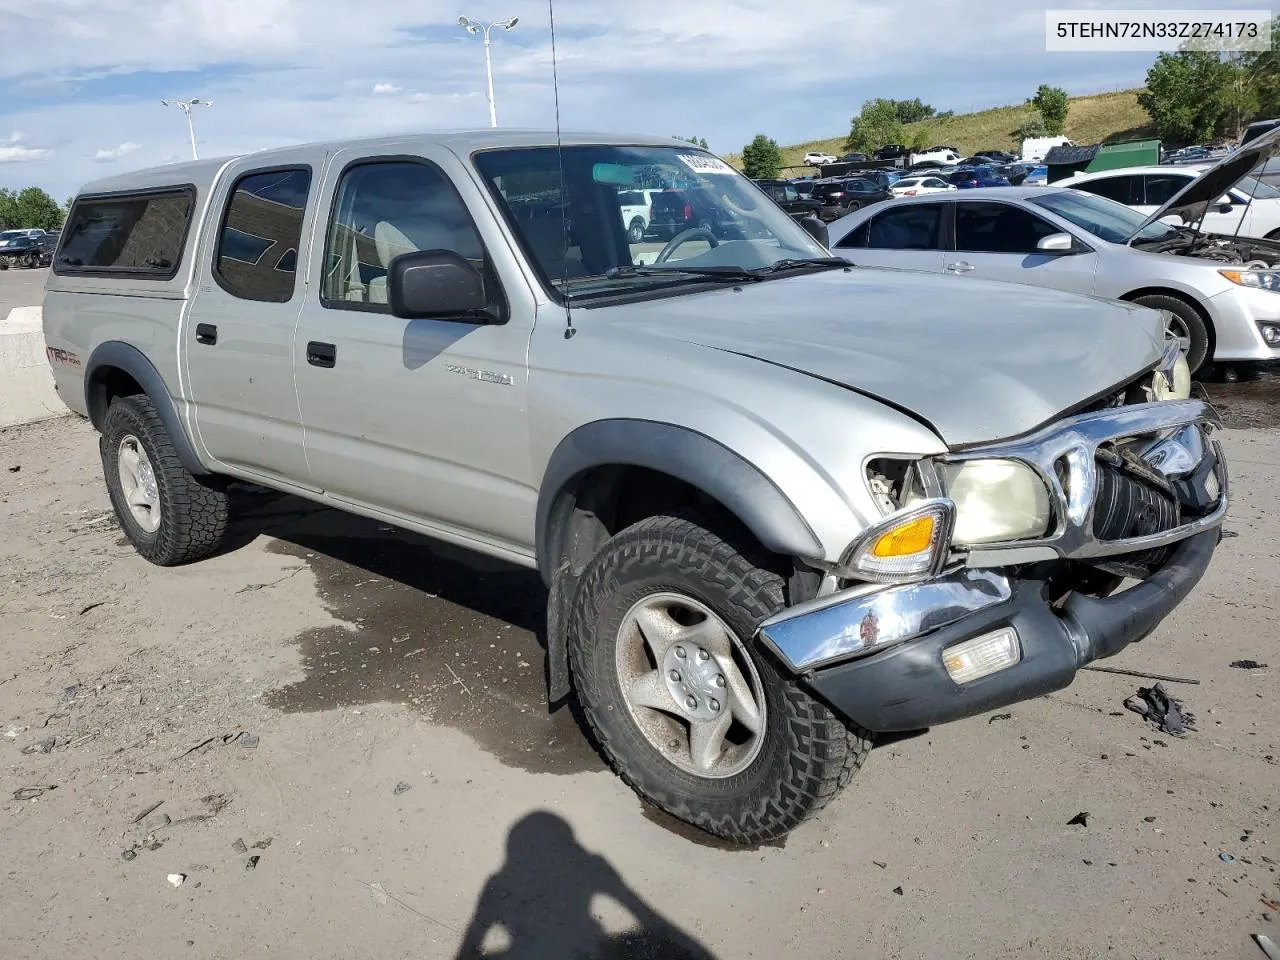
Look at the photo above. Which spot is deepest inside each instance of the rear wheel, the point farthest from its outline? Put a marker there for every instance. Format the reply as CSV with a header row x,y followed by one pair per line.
x,y
1186,324
635,232
169,515
684,705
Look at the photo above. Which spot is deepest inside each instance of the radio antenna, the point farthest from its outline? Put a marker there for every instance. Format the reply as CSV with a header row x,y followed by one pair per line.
x,y
569,329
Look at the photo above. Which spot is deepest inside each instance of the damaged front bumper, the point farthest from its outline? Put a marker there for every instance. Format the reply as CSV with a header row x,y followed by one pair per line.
x,y
907,656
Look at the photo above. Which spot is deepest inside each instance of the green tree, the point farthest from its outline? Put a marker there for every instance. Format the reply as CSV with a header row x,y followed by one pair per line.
x,y
1189,95
8,219
696,141
922,138
32,207
1032,125
913,111
762,158
875,126
1052,103
1261,72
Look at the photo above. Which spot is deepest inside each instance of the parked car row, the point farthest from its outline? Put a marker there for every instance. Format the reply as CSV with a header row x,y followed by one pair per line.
x,y
1212,271
27,248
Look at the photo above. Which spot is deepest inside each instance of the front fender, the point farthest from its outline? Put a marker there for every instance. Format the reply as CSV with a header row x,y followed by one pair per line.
x,y
682,453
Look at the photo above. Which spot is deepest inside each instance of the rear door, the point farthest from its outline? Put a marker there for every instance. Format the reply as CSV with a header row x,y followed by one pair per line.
x,y
993,240
907,235
237,338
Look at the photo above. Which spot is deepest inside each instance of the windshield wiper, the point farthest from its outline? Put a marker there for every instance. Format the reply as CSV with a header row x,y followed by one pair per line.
x,y
718,272
728,272
796,262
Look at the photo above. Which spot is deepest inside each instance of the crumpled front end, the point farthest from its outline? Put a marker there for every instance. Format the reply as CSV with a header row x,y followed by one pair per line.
x,y
998,571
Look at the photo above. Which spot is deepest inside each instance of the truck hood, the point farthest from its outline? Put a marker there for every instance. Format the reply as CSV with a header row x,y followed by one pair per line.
x,y
1191,203
976,361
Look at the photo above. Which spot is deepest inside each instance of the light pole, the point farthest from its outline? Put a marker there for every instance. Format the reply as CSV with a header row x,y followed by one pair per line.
x,y
474,27
185,106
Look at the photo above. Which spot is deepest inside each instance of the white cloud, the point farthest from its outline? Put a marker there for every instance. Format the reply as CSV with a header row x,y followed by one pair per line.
x,y
11,150
383,88
115,153
22,154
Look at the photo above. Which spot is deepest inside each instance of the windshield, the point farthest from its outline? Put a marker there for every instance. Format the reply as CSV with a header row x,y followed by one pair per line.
x,y
1111,221
1252,188
706,216
12,235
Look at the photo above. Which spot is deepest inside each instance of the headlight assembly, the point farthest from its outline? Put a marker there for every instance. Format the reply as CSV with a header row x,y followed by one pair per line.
x,y
1257,279
995,500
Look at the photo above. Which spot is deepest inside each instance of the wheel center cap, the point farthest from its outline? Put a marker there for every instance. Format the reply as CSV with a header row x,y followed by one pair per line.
x,y
695,681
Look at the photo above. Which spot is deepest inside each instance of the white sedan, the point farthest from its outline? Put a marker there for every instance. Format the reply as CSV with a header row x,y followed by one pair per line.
x,y
818,159
1250,208
915,186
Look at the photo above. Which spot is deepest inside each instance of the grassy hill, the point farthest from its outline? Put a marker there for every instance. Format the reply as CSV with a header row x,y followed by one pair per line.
x,y
1092,119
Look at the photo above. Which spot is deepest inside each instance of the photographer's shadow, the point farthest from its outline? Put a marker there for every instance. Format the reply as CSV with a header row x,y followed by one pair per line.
x,y
538,906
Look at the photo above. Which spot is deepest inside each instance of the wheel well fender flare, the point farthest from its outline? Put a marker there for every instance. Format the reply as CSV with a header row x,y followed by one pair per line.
x,y
1175,293
114,355
698,460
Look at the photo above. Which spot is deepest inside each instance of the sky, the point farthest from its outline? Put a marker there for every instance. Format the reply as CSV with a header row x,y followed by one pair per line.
x,y
81,80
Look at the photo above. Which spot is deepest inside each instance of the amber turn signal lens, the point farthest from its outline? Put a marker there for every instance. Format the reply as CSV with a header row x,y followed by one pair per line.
x,y
915,536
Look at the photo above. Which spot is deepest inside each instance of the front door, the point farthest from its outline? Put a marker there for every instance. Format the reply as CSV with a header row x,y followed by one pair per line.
x,y
997,241
424,419
238,335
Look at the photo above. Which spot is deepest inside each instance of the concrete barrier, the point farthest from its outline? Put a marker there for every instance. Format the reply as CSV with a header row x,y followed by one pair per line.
x,y
26,382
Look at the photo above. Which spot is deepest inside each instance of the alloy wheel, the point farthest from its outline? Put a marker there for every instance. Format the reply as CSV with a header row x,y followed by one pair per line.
x,y
690,685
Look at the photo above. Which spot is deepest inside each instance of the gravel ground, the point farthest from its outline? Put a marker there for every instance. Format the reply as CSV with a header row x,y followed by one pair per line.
x,y
346,732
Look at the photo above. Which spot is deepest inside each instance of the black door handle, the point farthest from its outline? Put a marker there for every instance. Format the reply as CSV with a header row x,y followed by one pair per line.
x,y
321,354
206,333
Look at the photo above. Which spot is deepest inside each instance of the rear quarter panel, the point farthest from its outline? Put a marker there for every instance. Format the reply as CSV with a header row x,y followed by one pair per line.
x,y
82,312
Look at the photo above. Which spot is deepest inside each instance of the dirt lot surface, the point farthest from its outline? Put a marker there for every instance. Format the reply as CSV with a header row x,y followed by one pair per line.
x,y
335,737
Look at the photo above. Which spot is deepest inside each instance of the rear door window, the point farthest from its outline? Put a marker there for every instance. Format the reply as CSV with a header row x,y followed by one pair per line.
x,y
138,235
261,229
1125,189
915,227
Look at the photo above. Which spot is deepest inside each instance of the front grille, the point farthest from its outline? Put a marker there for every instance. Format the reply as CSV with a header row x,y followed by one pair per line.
x,y
1127,506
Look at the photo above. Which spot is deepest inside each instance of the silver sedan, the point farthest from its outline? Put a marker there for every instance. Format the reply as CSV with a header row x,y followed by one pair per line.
x,y
1222,296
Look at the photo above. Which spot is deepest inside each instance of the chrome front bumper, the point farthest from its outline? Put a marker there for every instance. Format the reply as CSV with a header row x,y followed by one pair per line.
x,y
868,619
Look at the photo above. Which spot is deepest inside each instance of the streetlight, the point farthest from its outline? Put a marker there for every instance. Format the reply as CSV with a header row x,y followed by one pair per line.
x,y
474,27
185,106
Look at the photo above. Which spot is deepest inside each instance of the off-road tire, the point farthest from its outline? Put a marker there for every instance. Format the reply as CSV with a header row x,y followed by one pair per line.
x,y
808,754
1197,330
193,512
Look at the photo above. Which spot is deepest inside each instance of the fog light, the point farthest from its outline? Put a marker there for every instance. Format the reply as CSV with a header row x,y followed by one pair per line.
x,y
1271,334
982,656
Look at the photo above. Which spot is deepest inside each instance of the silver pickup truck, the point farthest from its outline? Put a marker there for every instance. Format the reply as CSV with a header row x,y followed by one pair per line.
x,y
780,503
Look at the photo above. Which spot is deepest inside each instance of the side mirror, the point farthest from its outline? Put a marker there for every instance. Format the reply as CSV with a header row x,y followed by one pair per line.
x,y
1056,243
816,229
437,285
1224,204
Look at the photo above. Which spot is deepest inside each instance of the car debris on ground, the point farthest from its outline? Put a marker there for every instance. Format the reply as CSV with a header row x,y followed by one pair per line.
x,y
1164,711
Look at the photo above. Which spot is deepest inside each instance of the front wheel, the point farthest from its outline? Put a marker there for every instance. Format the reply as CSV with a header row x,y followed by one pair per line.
x,y
685,706
1186,324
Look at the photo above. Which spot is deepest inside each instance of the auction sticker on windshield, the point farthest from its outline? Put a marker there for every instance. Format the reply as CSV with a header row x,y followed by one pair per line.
x,y
701,163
